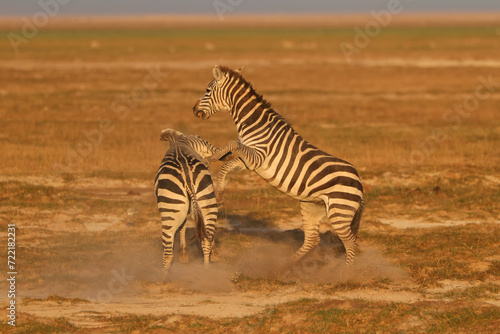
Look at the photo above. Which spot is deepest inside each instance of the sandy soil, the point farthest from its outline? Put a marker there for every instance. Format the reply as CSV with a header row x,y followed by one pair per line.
x,y
214,296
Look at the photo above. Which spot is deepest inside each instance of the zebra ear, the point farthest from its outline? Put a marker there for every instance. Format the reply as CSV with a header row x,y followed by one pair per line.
x,y
170,135
239,70
218,74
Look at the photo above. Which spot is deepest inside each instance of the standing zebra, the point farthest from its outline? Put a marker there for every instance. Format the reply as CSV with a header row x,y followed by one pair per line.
x,y
267,144
183,183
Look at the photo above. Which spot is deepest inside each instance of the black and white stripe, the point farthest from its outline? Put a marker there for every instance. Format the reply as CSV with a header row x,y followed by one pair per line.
x,y
183,184
324,185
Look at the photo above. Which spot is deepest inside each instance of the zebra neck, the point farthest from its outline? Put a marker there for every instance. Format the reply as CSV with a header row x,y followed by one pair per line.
x,y
248,110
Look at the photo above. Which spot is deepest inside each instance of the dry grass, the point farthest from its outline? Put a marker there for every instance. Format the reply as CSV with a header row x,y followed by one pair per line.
x,y
372,116
68,193
311,316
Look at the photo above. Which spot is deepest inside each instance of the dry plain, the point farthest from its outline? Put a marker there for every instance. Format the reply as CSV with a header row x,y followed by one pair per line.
x,y
415,109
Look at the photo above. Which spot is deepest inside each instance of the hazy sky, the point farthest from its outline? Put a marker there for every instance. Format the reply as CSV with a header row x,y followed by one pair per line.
x,y
118,7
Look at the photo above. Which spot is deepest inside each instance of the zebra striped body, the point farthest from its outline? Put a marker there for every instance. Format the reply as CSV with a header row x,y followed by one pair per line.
x,y
267,144
183,184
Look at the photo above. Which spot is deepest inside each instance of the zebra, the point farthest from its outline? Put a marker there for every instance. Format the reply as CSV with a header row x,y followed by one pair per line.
x,y
267,144
184,184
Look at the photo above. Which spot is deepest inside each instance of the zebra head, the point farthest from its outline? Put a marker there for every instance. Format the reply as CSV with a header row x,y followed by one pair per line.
x,y
170,135
216,97
198,144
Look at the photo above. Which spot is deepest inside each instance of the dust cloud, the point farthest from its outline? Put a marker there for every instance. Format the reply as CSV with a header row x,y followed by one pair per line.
x,y
123,269
198,277
98,271
113,266
269,260
324,264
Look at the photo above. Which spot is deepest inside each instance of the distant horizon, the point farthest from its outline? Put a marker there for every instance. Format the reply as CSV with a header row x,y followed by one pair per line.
x,y
8,8
253,14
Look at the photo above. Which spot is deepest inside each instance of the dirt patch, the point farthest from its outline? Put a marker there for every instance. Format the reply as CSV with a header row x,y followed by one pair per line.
x,y
403,224
114,277
212,305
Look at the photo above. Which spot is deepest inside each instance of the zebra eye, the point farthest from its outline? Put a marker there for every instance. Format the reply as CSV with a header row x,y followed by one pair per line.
x,y
208,91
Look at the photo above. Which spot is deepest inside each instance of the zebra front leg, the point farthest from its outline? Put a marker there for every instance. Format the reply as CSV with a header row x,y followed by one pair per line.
x,y
252,158
311,212
230,147
233,165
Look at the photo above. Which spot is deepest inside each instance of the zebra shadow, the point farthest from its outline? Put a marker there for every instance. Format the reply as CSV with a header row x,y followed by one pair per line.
x,y
256,250
268,253
263,229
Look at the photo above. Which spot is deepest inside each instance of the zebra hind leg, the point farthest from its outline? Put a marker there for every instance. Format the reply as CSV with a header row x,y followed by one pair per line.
x,y
206,216
207,241
311,212
206,246
172,218
341,224
168,248
183,256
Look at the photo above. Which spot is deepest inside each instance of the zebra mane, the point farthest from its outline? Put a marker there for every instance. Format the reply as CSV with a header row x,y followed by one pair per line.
x,y
258,98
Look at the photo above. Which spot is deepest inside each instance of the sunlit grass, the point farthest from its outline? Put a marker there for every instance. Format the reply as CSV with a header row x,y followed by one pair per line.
x,y
440,253
487,290
375,117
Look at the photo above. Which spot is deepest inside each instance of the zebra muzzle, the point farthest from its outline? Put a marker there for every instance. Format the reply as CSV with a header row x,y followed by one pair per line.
x,y
199,114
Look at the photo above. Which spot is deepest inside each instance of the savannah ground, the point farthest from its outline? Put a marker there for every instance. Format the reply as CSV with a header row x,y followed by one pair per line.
x,y
416,110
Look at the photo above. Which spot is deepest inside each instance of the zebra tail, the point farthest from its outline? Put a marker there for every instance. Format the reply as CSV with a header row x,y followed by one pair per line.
x,y
201,232
198,219
357,218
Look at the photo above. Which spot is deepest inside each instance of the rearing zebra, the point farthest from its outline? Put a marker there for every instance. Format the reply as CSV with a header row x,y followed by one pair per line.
x,y
268,145
183,183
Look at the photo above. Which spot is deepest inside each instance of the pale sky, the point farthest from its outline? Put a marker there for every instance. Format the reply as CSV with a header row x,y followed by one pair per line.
x,y
143,7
